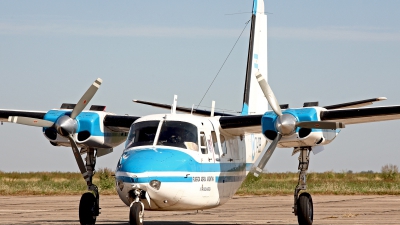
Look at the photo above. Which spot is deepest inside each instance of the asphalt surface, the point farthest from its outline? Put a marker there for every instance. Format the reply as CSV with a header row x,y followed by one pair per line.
x,y
332,209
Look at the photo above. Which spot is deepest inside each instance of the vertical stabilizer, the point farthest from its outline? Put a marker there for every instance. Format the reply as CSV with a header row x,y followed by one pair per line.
x,y
254,101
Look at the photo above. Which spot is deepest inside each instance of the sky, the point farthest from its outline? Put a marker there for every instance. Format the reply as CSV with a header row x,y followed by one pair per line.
x,y
326,51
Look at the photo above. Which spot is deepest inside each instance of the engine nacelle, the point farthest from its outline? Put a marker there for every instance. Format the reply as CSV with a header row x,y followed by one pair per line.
x,y
302,137
90,130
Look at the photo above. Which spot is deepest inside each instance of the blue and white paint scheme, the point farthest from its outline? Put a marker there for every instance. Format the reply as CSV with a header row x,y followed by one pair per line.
x,y
90,130
301,136
198,160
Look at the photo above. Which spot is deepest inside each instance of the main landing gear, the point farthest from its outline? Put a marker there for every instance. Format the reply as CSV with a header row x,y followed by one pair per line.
x,y
303,205
136,212
89,204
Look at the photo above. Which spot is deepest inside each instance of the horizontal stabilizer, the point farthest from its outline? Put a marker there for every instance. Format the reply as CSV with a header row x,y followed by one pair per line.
x,y
356,104
183,109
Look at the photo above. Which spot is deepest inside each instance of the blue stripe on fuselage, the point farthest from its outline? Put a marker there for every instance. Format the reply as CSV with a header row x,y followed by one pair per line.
x,y
127,179
189,179
166,160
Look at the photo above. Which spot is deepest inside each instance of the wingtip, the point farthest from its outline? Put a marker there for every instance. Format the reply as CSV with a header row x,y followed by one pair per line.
x,y
381,98
134,100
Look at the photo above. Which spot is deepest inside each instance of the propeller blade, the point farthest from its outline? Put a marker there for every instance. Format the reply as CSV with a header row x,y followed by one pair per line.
x,y
86,98
30,121
273,102
267,155
321,125
78,158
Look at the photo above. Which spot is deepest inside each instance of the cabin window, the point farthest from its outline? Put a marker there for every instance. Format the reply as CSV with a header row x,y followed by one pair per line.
x,y
203,143
142,133
223,144
178,134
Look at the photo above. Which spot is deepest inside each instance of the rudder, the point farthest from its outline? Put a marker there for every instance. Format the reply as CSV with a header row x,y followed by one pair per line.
x,y
254,101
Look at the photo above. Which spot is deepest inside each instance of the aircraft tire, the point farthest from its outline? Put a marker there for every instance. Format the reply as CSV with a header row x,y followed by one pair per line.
x,y
87,206
135,214
305,209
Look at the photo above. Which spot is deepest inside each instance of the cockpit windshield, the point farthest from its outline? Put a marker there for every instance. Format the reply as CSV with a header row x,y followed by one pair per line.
x,y
173,133
178,134
142,133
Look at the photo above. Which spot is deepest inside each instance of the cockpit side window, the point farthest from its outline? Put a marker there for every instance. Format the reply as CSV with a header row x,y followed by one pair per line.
x,y
178,134
215,142
203,143
223,145
142,133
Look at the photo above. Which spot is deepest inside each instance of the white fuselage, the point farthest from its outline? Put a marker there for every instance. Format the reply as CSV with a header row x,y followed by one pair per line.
x,y
199,175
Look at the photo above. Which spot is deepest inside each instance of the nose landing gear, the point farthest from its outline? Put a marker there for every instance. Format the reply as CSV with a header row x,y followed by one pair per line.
x,y
136,212
303,204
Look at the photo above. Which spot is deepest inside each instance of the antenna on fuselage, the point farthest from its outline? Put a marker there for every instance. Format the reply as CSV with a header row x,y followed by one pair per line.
x,y
173,109
212,108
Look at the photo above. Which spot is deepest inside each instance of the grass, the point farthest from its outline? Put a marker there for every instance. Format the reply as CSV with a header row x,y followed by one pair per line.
x,y
322,183
58,183
53,183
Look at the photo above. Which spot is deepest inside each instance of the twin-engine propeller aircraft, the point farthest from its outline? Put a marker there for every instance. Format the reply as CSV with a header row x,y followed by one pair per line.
x,y
199,159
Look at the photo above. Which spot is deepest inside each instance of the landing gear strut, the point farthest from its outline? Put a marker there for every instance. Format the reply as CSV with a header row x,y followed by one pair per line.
x,y
136,212
303,205
89,204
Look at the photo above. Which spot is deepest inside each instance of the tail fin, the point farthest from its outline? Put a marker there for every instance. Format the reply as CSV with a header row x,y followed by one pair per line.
x,y
254,101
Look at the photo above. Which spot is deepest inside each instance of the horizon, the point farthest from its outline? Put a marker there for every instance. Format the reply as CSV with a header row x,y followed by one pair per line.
x,y
331,52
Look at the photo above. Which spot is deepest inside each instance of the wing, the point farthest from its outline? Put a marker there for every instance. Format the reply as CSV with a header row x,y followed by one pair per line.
x,y
362,115
116,123
119,123
238,125
5,113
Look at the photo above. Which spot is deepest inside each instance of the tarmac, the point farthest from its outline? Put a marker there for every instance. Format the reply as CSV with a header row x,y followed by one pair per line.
x,y
328,209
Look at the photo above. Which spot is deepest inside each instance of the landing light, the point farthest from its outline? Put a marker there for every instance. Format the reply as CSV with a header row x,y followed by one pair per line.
x,y
155,184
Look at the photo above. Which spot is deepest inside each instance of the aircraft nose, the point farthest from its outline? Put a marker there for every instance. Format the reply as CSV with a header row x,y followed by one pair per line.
x,y
155,160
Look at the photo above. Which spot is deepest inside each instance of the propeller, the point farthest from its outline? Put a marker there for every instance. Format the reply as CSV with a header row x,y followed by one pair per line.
x,y
285,124
267,155
30,121
66,125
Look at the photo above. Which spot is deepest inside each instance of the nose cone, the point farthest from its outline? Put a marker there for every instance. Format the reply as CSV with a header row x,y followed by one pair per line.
x,y
155,160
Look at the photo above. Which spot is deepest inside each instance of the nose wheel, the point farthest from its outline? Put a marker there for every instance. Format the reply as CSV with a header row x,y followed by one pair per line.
x,y
136,214
303,205
136,211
